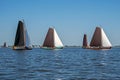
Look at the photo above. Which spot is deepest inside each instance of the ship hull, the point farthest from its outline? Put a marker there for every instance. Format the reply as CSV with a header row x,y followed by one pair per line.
x,y
51,48
97,48
21,48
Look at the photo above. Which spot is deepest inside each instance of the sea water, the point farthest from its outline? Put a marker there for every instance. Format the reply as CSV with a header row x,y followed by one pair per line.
x,y
63,64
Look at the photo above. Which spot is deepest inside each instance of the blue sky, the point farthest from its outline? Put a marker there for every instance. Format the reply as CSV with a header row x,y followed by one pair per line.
x,y
71,19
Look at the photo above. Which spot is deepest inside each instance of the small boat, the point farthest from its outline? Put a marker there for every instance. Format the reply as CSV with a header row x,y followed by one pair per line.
x,y
52,40
99,40
22,41
85,42
4,45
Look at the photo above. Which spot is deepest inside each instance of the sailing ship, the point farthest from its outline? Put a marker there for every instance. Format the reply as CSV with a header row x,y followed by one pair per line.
x,y
99,40
22,41
85,42
52,40
4,45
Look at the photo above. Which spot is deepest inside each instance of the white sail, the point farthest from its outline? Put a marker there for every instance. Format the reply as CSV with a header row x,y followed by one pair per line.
x,y
26,36
105,41
27,39
57,41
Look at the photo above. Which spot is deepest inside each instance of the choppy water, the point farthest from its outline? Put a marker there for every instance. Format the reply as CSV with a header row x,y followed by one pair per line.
x,y
65,64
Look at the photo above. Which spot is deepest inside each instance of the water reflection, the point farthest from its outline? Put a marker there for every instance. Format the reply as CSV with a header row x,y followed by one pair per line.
x,y
21,64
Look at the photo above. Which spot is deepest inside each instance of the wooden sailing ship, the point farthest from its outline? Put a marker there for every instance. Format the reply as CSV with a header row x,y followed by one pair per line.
x,y
52,40
85,42
99,40
22,41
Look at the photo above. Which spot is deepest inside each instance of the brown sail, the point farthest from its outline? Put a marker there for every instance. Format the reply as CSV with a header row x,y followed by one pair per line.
x,y
49,40
97,38
85,43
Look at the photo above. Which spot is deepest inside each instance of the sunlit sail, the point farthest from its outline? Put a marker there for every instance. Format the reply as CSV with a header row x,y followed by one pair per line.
x,y
52,40
100,40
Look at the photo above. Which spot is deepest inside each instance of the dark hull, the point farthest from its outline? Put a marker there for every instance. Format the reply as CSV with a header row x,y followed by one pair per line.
x,y
22,48
51,48
97,48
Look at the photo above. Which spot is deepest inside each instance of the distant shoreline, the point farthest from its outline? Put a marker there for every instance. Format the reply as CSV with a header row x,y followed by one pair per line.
x,y
66,46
